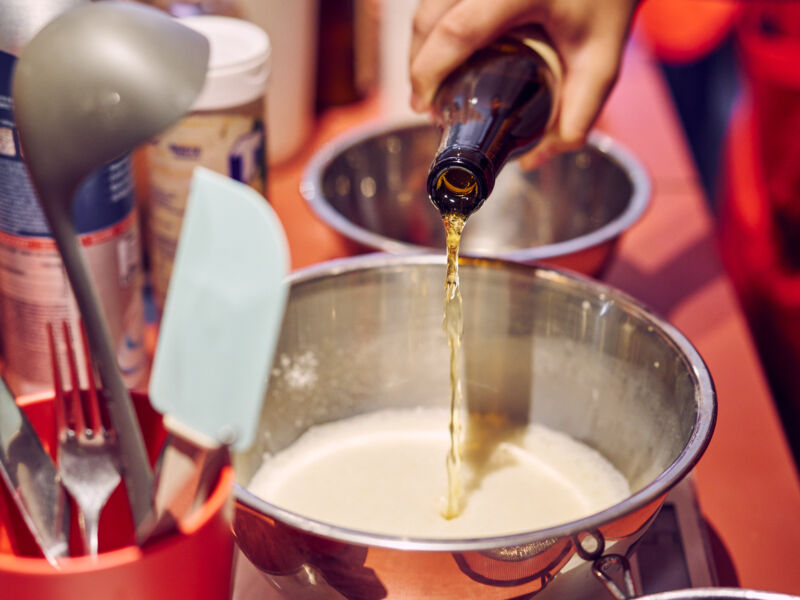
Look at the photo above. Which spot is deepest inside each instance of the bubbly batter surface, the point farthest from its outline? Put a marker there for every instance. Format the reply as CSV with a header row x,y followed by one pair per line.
x,y
384,473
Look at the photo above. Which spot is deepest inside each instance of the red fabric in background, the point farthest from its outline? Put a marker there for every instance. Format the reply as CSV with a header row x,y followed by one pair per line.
x,y
681,31
760,207
769,42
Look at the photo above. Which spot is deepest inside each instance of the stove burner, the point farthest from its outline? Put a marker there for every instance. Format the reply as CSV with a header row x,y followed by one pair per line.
x,y
674,552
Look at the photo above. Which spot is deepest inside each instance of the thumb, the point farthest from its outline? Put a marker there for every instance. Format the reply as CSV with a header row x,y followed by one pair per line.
x,y
588,79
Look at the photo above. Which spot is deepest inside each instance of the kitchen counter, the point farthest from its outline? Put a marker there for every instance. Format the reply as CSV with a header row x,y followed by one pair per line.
x,y
747,485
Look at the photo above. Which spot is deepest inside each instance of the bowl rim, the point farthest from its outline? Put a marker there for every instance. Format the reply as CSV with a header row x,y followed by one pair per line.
x,y
656,490
311,190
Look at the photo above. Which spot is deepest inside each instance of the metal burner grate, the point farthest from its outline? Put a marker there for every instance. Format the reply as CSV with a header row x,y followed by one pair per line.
x,y
674,553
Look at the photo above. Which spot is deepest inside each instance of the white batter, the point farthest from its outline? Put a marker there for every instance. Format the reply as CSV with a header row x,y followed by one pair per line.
x,y
385,473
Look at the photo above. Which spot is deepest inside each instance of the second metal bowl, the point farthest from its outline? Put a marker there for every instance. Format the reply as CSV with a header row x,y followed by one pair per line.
x,y
371,186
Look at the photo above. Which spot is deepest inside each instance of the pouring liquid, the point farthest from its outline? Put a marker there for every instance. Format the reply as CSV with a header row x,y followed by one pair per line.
x,y
453,325
456,187
496,104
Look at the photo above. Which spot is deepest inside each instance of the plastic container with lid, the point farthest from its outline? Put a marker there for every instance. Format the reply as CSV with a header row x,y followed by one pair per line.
x,y
292,30
225,132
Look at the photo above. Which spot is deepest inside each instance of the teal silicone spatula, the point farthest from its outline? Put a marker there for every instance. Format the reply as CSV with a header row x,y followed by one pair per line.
x,y
220,325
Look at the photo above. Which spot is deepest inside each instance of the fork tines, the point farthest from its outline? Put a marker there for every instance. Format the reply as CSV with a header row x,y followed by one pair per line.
x,y
74,403
88,453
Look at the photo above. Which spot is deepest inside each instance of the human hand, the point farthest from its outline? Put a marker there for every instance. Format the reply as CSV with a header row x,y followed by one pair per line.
x,y
589,36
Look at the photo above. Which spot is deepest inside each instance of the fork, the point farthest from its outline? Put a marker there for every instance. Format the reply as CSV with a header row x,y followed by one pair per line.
x,y
88,452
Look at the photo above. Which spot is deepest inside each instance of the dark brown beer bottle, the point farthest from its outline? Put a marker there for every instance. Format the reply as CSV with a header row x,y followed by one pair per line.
x,y
493,107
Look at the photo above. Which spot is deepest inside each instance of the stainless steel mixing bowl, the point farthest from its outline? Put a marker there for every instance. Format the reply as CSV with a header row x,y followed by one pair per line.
x,y
371,186
365,333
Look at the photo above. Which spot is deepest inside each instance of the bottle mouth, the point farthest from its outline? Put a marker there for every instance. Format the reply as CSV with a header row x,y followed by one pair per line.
x,y
458,185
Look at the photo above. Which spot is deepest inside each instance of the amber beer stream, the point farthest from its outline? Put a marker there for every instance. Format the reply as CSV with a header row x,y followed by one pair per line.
x,y
497,104
454,327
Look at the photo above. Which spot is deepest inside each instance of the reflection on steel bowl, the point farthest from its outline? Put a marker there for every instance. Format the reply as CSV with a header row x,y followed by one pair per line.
x,y
541,345
371,186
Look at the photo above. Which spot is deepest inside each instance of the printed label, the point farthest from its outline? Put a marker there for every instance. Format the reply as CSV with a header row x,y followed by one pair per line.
x,y
34,289
231,144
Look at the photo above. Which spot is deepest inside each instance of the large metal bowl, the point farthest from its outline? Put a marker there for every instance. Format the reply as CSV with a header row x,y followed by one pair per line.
x,y
371,186
365,333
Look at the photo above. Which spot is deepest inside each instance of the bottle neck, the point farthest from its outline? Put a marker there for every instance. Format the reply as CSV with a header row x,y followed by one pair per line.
x,y
460,179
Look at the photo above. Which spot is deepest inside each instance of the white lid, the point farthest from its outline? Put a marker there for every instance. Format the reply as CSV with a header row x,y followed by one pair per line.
x,y
239,62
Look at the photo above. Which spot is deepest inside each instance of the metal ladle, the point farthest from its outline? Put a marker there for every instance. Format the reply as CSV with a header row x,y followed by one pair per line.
x,y
91,86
